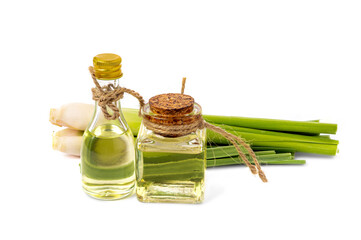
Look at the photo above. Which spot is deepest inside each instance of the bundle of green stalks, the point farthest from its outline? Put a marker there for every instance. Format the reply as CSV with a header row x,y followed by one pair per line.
x,y
273,141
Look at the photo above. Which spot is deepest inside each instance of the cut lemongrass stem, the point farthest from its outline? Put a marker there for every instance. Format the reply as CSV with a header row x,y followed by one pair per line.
x,y
77,116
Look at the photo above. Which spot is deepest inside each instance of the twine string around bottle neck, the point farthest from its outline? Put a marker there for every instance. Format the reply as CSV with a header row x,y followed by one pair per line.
x,y
107,96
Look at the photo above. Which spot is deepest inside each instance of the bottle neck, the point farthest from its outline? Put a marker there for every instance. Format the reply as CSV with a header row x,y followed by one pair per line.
x,y
98,117
105,83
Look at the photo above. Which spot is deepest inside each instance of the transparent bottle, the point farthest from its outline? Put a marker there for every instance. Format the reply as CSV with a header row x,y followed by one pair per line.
x,y
170,167
107,152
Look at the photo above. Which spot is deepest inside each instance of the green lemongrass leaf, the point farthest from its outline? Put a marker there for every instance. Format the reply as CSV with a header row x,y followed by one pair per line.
x,y
276,149
132,118
227,151
274,124
326,149
134,121
263,135
277,156
269,152
231,161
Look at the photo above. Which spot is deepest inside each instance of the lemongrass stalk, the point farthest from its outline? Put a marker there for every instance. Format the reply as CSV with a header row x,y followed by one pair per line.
x,y
160,165
157,172
230,161
326,149
317,148
259,153
68,141
228,151
274,124
133,119
302,133
78,115
269,136
277,156
97,172
278,141
276,149
280,157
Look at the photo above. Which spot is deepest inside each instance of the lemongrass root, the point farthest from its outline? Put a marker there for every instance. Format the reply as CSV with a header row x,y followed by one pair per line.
x,y
68,141
72,115
78,116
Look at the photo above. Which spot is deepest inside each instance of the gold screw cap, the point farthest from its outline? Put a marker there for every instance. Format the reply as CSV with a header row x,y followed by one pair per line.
x,y
107,66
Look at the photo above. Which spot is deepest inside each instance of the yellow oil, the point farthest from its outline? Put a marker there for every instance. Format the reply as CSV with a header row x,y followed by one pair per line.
x,y
107,162
171,177
170,169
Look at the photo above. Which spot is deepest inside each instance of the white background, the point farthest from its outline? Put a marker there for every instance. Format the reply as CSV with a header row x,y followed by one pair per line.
x,y
295,60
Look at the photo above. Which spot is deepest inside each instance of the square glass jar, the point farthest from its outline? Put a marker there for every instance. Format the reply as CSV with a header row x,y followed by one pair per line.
x,y
170,168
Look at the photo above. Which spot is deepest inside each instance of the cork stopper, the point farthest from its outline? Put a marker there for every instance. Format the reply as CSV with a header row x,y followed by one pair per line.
x,y
171,104
172,114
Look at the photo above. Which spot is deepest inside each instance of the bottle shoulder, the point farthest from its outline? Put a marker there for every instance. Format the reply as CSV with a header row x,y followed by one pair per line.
x,y
99,120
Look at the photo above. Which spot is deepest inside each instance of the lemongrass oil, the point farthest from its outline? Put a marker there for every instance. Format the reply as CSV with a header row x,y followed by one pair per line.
x,y
107,152
170,167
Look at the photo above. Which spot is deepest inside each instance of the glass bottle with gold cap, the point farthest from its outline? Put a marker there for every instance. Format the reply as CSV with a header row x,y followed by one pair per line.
x,y
107,153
